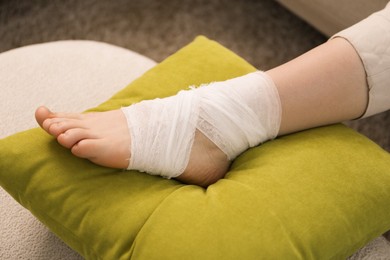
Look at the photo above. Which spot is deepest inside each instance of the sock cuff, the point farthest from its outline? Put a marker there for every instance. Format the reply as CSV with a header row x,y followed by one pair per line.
x,y
371,40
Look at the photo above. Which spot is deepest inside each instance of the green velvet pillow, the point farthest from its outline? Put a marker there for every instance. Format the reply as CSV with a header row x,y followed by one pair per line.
x,y
317,194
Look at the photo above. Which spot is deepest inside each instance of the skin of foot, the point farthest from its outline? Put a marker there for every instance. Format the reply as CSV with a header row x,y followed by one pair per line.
x,y
104,139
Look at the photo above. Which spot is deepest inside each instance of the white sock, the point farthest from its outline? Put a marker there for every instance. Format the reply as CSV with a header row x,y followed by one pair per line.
x,y
235,114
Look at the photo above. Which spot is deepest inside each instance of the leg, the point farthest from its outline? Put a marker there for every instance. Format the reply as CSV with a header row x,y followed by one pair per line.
x,y
336,76
323,86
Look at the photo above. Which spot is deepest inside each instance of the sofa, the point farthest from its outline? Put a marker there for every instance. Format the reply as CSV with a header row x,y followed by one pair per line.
x,y
332,16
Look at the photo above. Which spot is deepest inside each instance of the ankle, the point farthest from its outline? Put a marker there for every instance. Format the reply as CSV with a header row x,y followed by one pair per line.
x,y
207,163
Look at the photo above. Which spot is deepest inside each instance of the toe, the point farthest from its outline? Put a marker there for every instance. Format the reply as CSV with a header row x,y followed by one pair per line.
x,y
85,149
50,123
41,114
68,115
73,136
57,126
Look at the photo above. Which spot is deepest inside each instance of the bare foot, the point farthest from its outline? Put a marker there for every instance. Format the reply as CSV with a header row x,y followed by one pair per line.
x,y
104,139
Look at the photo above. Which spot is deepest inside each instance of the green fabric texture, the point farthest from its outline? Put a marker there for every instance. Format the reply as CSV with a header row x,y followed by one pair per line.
x,y
317,194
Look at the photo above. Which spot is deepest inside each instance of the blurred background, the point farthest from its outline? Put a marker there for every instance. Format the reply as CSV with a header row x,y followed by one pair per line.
x,y
261,31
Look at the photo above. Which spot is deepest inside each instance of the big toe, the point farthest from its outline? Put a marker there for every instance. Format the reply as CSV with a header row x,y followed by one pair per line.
x,y
41,114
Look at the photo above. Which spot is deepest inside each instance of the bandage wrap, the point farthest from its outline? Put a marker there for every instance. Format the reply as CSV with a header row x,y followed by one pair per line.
x,y
235,114
162,132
